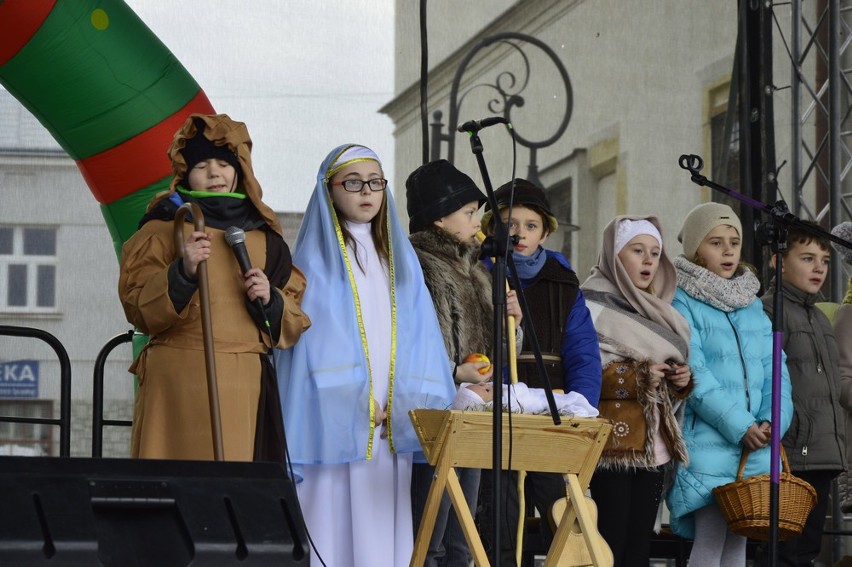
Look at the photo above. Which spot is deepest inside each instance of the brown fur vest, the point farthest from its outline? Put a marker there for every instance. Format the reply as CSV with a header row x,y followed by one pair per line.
x,y
461,291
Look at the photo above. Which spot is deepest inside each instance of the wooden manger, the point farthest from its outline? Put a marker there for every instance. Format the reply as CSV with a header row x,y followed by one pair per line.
x,y
451,439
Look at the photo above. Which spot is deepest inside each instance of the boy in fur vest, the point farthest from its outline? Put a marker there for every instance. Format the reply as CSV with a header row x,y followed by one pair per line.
x,y
442,204
565,332
816,440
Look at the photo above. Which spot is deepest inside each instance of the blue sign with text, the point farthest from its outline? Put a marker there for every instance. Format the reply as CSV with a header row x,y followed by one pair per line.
x,y
19,379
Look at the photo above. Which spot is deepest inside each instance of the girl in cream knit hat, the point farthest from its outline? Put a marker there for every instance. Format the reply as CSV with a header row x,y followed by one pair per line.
x,y
730,354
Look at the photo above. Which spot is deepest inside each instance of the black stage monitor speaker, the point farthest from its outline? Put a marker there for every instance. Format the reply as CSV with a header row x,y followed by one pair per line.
x,y
128,512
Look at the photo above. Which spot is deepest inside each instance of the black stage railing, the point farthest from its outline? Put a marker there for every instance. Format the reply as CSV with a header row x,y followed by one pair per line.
x,y
98,421
64,421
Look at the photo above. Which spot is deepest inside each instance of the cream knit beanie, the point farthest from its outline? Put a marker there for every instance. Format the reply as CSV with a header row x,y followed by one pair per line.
x,y
629,229
701,220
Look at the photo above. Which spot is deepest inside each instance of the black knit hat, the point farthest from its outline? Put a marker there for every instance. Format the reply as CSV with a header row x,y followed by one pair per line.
x,y
526,195
199,148
435,190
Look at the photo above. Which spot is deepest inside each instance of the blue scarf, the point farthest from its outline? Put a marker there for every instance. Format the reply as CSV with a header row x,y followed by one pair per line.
x,y
528,267
324,379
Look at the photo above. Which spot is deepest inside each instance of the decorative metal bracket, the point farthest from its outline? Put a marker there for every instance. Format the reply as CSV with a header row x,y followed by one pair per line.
x,y
509,89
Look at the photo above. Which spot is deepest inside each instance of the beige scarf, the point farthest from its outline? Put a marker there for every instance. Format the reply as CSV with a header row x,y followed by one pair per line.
x,y
632,323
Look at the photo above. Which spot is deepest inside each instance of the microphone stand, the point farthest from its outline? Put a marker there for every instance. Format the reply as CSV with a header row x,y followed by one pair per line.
x,y
496,246
773,233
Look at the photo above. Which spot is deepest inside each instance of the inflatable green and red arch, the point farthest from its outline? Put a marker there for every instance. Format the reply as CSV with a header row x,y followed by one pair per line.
x,y
107,90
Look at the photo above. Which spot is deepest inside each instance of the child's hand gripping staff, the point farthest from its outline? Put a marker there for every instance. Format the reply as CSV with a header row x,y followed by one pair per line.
x,y
510,332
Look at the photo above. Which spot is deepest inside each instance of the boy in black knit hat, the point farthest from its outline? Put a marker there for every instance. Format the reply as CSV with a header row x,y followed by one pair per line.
x,y
442,203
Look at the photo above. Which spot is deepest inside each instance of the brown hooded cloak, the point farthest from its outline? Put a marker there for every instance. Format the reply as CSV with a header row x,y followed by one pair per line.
x,y
171,414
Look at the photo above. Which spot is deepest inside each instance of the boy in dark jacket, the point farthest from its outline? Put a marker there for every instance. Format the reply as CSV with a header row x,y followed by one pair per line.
x,y
561,319
815,442
566,335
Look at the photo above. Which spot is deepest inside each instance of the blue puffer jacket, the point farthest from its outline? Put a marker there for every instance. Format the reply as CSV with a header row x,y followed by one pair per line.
x,y
731,362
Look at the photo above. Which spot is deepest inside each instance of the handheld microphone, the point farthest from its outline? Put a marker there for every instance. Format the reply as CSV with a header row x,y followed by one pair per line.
x,y
477,125
236,239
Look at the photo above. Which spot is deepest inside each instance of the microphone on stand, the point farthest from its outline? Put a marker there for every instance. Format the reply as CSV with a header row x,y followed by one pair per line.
x,y
691,162
236,239
473,126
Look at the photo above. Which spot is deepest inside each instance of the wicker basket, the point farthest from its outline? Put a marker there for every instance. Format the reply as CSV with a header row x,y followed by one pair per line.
x,y
745,502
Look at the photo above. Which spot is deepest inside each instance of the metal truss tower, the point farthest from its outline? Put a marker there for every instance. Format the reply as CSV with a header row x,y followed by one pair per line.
x,y
821,114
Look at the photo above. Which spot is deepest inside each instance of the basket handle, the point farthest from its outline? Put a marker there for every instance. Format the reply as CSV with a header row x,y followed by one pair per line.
x,y
785,464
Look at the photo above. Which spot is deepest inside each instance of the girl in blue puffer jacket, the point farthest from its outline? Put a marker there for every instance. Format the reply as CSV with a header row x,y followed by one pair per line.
x,y
731,361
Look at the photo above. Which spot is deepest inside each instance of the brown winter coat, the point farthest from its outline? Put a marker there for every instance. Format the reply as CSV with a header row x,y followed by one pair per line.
x,y
172,416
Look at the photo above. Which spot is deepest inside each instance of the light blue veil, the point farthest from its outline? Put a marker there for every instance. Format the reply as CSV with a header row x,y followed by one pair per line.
x,y
324,379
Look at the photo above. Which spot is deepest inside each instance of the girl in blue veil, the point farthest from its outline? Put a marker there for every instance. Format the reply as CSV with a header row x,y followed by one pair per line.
x,y
374,351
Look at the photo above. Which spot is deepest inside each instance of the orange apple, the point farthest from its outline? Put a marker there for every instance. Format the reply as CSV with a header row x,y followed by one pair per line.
x,y
479,357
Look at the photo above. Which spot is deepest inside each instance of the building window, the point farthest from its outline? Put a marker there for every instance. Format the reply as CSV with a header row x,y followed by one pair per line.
x,y
27,439
726,150
724,133
561,199
28,268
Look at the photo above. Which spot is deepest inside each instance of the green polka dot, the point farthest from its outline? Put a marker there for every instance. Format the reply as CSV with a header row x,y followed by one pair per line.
x,y
100,19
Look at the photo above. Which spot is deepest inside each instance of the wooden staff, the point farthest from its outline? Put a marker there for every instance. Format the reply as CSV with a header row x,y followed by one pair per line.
x,y
513,379
206,325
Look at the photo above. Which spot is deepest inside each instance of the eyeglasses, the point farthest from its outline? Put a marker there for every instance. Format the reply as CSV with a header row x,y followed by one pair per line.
x,y
357,185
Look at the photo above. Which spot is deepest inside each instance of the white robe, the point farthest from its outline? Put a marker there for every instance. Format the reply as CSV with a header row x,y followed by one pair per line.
x,y
359,514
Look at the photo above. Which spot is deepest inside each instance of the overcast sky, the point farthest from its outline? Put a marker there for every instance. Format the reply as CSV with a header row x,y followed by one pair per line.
x,y
304,75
